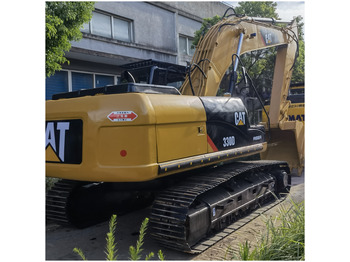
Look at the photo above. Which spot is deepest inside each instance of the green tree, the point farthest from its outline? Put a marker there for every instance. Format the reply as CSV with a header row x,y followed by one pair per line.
x,y
299,68
63,21
257,9
206,24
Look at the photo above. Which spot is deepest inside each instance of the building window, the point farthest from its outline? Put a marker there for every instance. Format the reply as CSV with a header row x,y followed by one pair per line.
x,y
109,26
121,29
101,25
185,45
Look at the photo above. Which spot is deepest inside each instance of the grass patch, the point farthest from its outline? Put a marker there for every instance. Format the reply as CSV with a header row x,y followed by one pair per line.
x,y
284,238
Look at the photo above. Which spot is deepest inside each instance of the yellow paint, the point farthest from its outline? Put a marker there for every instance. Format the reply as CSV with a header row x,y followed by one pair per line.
x,y
51,155
295,112
168,127
287,140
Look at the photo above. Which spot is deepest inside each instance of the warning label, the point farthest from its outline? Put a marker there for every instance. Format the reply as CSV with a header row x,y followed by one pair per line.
x,y
122,116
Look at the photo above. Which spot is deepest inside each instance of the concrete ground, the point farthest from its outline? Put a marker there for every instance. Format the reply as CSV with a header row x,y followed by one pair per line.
x,y
60,240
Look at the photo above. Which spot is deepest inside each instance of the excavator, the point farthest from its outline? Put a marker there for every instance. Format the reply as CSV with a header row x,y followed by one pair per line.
x,y
185,150
295,112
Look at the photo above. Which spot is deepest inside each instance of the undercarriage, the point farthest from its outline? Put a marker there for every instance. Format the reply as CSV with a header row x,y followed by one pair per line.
x,y
190,215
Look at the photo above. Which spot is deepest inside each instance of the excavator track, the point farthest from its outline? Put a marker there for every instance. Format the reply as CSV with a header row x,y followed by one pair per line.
x,y
57,199
84,204
204,208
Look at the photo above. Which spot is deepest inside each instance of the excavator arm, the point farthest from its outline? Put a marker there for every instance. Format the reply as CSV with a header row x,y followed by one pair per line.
x,y
219,49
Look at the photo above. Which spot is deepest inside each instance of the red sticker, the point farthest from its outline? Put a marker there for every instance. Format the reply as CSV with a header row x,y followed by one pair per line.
x,y
122,116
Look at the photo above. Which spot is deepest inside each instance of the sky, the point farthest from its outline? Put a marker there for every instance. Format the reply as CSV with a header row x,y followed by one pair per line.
x,y
285,9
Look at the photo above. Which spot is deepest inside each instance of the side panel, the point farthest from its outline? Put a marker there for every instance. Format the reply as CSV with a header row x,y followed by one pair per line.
x,y
181,140
180,126
126,146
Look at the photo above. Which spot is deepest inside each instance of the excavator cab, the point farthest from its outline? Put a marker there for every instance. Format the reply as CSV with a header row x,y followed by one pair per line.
x,y
154,72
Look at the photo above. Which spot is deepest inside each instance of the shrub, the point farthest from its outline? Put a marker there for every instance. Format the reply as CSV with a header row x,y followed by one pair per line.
x,y
284,238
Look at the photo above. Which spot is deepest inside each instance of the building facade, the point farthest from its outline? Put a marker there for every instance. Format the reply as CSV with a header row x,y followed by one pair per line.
x,y
125,32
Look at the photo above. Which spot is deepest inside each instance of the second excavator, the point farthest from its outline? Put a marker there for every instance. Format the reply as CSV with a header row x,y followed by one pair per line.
x,y
178,148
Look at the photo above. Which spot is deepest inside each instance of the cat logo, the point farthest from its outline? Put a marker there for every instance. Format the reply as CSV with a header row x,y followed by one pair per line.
x,y
268,39
63,141
240,118
55,153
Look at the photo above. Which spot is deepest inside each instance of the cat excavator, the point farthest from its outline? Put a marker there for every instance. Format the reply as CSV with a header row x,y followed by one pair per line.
x,y
180,149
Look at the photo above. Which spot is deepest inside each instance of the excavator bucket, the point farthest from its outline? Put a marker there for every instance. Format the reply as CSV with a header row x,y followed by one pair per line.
x,y
286,143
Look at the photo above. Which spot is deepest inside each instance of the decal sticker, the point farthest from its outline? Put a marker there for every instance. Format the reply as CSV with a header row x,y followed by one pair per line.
x,y
63,141
229,141
296,117
240,118
61,127
269,36
122,116
268,39
256,138
211,144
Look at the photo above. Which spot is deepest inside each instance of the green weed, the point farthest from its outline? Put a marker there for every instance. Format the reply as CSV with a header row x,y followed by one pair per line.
x,y
135,253
111,251
49,182
284,238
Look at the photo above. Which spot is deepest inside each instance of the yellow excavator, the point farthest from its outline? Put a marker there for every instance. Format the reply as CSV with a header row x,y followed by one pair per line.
x,y
295,113
179,149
